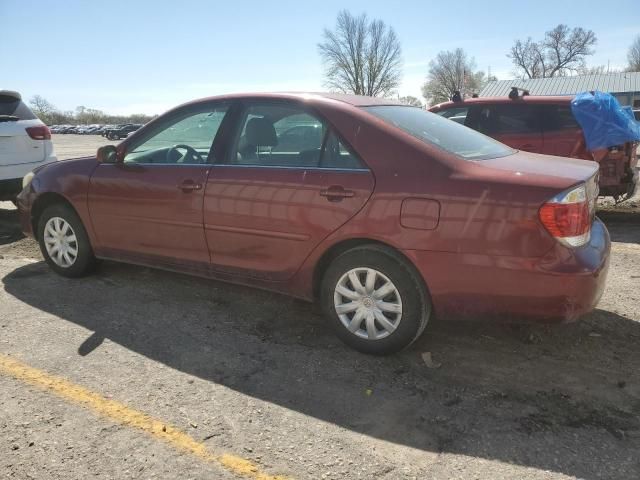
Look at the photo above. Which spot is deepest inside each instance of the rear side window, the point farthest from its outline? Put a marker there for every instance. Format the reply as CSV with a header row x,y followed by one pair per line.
x,y
436,130
280,135
508,119
11,106
558,117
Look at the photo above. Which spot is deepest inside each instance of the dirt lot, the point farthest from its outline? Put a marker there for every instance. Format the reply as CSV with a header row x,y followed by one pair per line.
x,y
71,146
258,376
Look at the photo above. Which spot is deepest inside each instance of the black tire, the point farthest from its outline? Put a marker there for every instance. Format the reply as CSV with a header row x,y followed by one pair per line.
x,y
85,261
415,300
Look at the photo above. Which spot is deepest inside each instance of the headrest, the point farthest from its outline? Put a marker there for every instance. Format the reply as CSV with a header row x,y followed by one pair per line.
x,y
260,133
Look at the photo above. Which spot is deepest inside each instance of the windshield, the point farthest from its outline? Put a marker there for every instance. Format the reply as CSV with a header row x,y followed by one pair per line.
x,y
441,132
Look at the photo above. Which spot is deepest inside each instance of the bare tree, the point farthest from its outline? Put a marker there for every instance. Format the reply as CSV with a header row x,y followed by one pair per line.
x,y
597,70
411,100
450,72
50,115
361,56
562,51
43,109
634,55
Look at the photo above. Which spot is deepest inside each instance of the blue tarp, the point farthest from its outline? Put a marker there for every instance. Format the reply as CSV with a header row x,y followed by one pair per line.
x,y
604,122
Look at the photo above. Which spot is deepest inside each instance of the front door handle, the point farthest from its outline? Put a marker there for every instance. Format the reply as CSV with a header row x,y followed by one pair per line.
x,y
336,193
189,186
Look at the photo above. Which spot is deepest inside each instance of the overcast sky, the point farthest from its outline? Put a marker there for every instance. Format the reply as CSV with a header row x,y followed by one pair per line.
x,y
142,56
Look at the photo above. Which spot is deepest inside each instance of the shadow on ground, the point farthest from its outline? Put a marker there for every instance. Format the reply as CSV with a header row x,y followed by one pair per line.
x,y
562,398
9,226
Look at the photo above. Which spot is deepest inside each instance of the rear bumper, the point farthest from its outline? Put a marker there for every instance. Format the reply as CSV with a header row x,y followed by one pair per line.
x,y
558,287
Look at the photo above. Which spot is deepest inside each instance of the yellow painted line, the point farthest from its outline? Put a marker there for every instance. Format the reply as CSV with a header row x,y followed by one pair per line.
x,y
124,415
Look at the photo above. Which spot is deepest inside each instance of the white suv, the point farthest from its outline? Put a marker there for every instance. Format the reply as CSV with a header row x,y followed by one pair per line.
x,y
25,143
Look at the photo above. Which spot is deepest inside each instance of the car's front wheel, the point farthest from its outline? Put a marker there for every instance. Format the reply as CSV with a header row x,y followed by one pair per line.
x,y
64,242
375,300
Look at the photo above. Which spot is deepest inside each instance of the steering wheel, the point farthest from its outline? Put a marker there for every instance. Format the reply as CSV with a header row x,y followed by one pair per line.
x,y
190,151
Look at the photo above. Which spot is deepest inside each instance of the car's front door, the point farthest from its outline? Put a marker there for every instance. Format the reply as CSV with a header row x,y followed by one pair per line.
x,y
149,203
274,199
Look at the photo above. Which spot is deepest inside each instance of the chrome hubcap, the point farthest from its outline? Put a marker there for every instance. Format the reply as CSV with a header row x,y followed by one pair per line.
x,y
368,303
60,242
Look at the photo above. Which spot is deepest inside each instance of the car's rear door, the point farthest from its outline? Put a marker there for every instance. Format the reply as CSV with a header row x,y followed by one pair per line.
x,y
270,202
515,124
149,205
562,135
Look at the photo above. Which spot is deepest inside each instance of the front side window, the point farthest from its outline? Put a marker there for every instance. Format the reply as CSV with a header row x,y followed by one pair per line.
x,y
436,130
185,140
288,136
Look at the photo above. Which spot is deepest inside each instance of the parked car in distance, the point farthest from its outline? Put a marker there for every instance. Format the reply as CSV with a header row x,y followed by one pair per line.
x,y
122,131
87,129
25,143
542,124
390,215
67,129
106,128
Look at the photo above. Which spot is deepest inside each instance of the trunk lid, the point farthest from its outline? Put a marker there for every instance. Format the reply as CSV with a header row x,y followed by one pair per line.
x,y
536,169
16,146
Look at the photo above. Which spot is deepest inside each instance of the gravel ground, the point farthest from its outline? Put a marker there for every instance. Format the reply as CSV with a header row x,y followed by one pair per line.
x,y
72,146
258,375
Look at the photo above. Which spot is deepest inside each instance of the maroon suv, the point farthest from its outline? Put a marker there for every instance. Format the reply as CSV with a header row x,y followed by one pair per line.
x,y
383,213
546,125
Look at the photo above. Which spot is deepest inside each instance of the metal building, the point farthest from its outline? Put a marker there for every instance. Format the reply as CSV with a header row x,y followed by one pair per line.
x,y
624,86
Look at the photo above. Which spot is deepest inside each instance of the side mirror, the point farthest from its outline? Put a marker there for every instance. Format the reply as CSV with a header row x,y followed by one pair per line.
x,y
107,154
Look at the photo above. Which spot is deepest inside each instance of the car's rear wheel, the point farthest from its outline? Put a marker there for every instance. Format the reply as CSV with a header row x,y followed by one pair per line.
x,y
375,300
64,242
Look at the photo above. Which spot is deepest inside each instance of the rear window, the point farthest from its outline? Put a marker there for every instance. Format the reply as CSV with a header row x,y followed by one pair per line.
x,y
11,106
436,130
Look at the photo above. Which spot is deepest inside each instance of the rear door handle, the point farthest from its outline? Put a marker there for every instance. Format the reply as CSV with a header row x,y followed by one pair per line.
x,y
335,193
189,186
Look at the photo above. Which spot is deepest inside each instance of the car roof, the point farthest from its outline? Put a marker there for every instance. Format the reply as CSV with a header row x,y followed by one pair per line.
x,y
532,99
318,97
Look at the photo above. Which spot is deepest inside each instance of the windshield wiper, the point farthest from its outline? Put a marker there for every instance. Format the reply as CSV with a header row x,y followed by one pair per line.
x,y
8,118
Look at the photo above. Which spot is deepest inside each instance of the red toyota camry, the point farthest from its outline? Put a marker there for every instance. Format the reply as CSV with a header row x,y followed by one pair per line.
x,y
384,214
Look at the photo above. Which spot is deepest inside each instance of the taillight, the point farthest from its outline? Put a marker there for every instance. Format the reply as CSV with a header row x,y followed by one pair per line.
x,y
41,132
567,217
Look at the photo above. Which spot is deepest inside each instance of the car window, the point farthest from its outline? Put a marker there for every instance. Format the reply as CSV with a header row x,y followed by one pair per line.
x,y
185,140
508,119
458,115
558,117
278,135
436,130
11,106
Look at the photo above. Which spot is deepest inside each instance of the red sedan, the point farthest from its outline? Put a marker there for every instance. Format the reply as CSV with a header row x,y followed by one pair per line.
x,y
385,214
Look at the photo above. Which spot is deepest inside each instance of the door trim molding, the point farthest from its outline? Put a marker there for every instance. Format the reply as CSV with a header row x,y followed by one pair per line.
x,y
262,233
